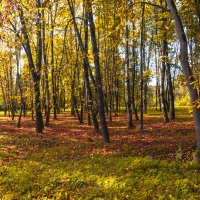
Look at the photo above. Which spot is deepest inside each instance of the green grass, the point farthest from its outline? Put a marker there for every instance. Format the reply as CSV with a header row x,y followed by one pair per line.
x,y
180,111
98,177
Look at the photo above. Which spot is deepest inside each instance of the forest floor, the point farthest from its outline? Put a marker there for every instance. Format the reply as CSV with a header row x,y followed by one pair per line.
x,y
70,161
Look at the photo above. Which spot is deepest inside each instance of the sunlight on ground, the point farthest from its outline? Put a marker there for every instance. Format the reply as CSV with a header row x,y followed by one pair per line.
x,y
70,161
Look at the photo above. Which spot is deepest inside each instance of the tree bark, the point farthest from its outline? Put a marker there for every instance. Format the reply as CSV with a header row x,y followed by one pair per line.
x,y
186,67
39,120
100,96
20,88
46,74
34,71
54,91
86,65
170,85
141,69
128,88
163,72
134,83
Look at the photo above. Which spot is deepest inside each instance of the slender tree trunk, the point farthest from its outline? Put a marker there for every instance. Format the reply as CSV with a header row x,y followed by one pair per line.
x,y
24,107
46,74
53,75
86,77
35,71
106,85
86,65
141,68
12,101
170,85
4,97
39,120
156,65
82,94
134,82
144,69
163,72
129,109
74,99
20,89
117,96
146,78
186,67
100,97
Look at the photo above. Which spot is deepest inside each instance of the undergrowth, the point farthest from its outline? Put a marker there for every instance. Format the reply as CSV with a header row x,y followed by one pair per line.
x,y
99,177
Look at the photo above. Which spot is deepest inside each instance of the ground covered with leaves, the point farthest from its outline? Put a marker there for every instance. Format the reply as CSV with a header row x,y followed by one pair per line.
x,y
70,161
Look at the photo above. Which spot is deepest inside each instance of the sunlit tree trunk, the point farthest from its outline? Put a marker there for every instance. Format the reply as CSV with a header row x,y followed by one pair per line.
x,y
46,73
20,89
170,85
34,71
100,96
53,74
4,96
84,50
128,88
186,67
141,69
86,76
134,83
163,73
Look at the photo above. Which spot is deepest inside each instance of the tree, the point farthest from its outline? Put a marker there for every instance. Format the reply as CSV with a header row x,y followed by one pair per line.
x,y
142,69
186,67
129,108
84,50
100,96
35,71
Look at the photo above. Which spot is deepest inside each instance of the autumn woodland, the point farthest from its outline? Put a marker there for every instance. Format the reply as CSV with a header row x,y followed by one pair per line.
x,y
99,99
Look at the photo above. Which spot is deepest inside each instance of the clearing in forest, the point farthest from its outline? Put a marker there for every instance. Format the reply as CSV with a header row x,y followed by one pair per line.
x,y
70,161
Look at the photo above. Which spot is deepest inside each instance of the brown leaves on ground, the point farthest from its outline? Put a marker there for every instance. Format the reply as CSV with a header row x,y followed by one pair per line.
x,y
157,140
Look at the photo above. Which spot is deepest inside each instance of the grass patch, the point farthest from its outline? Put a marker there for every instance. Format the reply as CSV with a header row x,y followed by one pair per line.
x,y
99,177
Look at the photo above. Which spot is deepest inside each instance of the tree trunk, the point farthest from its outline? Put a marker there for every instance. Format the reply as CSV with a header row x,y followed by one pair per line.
x,y
4,97
141,69
163,71
20,89
100,97
53,75
170,85
74,99
34,71
86,65
39,120
186,67
129,109
46,74
134,82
